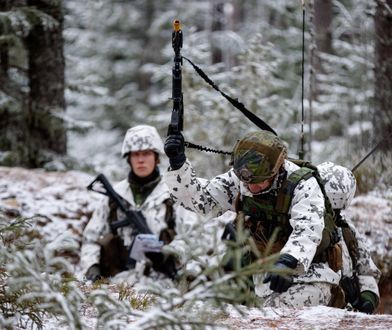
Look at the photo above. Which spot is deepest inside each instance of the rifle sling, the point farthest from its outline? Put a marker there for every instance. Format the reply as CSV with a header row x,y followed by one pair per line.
x,y
237,104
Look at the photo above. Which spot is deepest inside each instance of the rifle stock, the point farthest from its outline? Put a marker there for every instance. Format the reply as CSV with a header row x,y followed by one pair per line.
x,y
135,219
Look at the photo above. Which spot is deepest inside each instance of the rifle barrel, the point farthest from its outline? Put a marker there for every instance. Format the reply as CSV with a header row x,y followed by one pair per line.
x,y
177,117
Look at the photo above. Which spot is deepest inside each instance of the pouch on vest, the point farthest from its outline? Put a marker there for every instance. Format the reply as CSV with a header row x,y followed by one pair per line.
x,y
338,297
113,256
167,234
335,257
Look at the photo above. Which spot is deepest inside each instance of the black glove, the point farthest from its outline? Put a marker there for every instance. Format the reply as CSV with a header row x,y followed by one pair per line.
x,y
366,303
281,282
163,263
230,232
93,273
175,150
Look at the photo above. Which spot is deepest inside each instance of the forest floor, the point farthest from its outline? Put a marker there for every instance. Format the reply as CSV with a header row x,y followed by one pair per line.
x,y
62,203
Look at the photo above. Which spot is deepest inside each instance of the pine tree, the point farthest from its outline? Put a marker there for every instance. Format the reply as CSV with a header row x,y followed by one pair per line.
x,y
33,131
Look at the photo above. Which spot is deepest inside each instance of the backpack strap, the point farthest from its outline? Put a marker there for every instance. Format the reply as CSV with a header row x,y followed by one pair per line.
x,y
113,212
286,192
306,171
349,238
170,217
167,234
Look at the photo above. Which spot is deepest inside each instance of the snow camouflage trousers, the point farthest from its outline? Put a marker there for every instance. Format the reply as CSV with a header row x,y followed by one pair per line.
x,y
298,295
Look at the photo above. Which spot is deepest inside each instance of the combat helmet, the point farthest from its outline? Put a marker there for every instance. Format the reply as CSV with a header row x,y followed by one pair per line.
x,y
258,156
339,183
142,137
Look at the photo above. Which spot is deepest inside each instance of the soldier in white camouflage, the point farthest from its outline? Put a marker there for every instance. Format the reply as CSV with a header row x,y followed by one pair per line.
x,y
145,191
260,169
360,275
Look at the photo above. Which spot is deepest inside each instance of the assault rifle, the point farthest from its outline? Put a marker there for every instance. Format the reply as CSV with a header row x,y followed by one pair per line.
x,y
177,117
135,219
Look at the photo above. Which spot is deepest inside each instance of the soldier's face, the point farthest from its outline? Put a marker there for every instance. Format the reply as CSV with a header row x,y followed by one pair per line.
x,y
142,162
256,188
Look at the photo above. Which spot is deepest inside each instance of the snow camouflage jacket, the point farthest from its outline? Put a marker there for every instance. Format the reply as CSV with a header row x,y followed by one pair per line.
x,y
153,209
367,272
213,198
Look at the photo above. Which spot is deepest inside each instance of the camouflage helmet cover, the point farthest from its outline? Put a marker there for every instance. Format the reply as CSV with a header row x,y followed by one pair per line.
x,y
339,183
258,156
142,137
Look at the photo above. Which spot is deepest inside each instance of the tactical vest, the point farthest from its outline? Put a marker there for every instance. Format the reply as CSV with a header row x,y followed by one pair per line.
x,y
114,256
268,215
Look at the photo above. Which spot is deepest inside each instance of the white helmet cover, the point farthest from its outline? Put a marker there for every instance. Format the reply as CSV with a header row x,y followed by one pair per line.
x,y
339,183
142,137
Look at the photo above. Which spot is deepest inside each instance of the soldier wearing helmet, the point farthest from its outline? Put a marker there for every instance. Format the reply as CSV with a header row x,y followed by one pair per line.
x,y
260,171
339,183
359,273
145,191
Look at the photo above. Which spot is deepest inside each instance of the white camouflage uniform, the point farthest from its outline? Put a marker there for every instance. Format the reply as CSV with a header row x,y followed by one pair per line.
x,y
140,137
367,272
313,281
340,186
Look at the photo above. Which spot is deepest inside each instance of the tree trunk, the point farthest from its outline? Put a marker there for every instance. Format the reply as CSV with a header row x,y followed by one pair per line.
x,y
143,78
235,21
382,119
12,128
323,31
217,25
46,130
323,25
4,6
322,28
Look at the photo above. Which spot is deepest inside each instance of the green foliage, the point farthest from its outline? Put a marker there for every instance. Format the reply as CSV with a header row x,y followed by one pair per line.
x,y
37,284
34,282
12,237
18,234
21,20
136,300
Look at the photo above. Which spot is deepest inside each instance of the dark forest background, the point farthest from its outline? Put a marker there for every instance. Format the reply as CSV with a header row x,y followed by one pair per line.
x,y
74,75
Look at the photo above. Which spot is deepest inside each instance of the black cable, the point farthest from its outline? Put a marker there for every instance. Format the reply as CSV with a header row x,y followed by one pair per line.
x,y
301,152
369,153
237,104
202,148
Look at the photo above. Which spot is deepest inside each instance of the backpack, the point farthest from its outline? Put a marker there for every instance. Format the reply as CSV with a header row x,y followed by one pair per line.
x,y
327,250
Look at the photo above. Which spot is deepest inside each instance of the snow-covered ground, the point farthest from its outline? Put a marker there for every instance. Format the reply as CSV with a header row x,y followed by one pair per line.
x,y
312,318
61,204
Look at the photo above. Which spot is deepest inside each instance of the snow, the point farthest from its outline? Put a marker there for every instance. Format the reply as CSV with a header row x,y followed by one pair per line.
x,y
63,206
320,317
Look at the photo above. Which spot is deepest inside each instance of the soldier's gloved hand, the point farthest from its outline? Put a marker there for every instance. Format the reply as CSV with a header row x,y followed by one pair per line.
x,y
366,303
163,263
93,273
175,150
281,282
